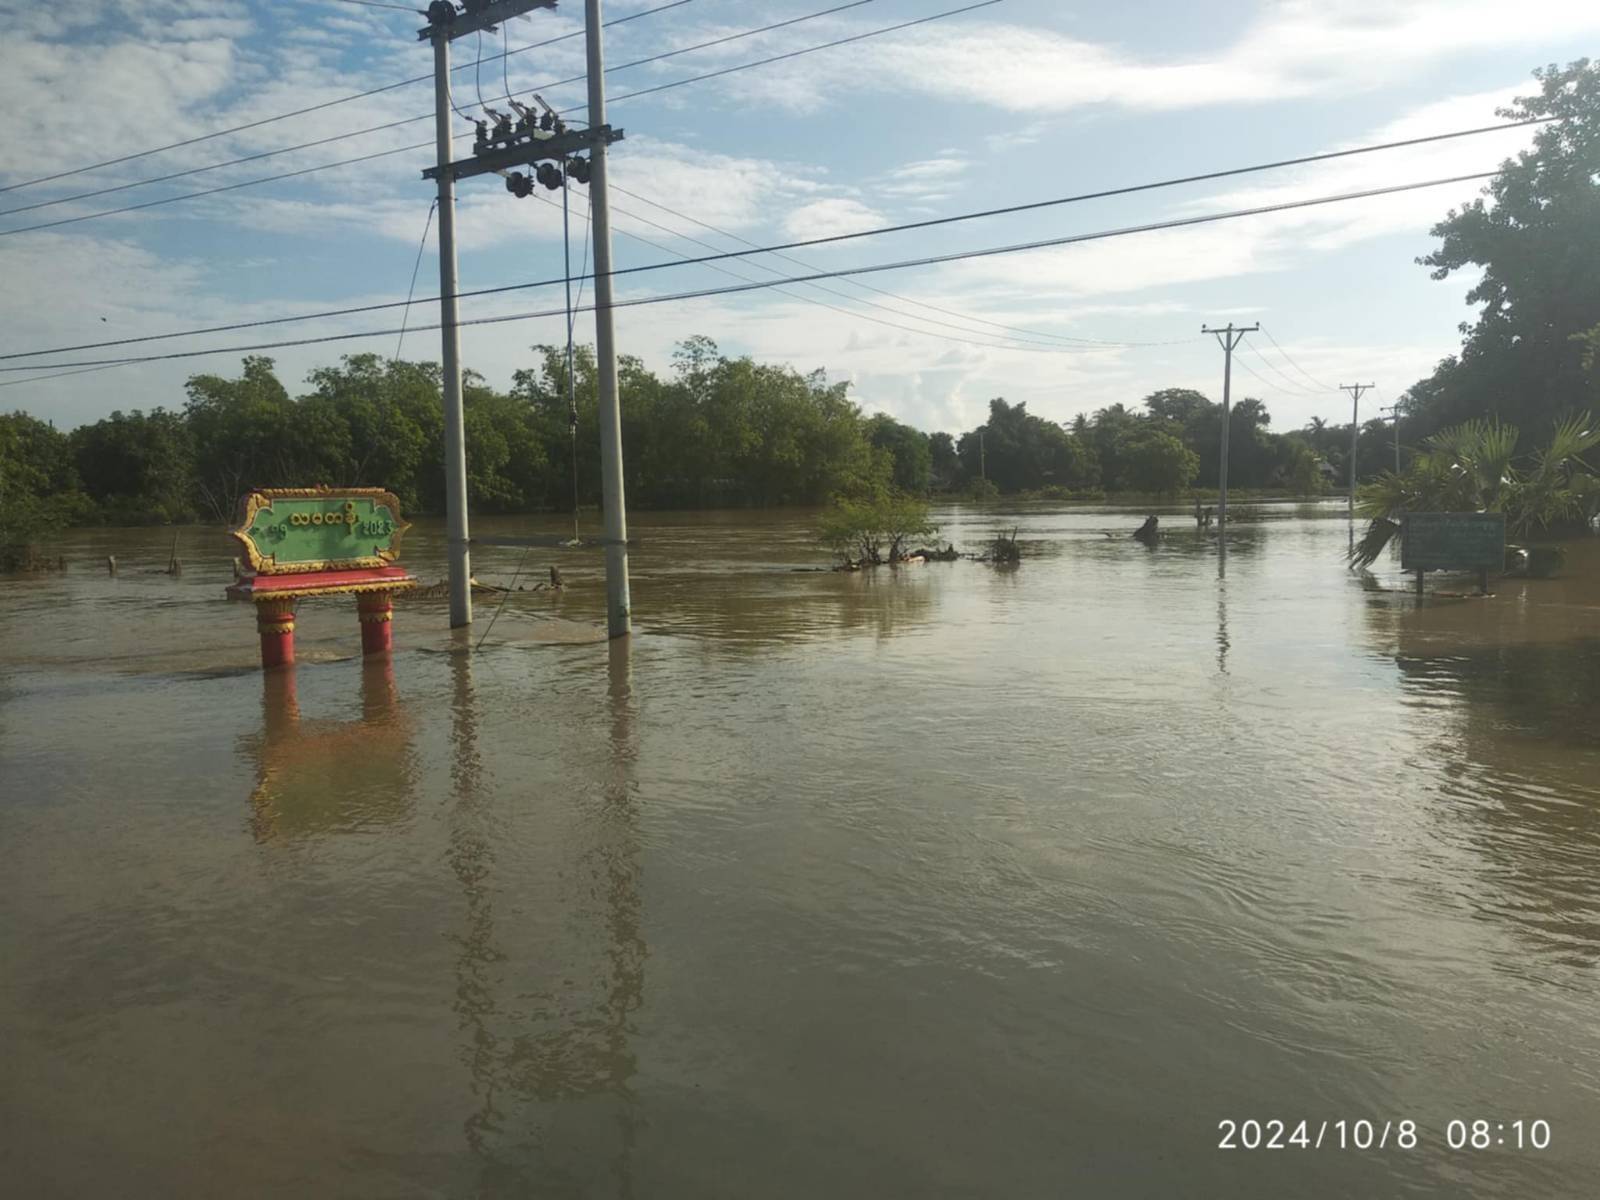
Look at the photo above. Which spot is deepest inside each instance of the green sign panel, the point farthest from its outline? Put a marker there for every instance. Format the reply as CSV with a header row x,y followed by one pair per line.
x,y
291,530
1453,541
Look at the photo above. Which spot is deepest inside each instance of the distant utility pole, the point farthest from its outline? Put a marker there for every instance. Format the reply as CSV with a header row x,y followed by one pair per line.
x,y
1228,338
983,460
504,141
1394,415
1356,391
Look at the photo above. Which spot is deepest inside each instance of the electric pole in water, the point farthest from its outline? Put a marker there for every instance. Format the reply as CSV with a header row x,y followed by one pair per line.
x,y
504,141
619,621
1356,391
1228,338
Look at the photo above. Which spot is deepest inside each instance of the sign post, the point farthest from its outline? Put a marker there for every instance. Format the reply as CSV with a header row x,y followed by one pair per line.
x,y
1453,542
320,542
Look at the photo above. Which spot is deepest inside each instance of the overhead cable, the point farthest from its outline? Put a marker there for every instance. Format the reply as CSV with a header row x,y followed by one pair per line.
x,y
902,264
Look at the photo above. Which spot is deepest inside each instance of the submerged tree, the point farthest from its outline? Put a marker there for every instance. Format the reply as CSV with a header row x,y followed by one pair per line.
x,y
858,531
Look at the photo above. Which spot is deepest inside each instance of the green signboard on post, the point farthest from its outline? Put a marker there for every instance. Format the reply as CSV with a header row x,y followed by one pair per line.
x,y
1453,541
293,530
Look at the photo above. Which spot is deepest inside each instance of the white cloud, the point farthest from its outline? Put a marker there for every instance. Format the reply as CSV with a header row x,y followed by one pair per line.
x,y
828,218
926,179
1297,48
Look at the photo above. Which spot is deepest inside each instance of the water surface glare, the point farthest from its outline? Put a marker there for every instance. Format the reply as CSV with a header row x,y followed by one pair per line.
x,y
941,880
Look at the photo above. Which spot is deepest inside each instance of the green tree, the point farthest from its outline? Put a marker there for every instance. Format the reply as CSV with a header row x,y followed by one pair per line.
x,y
240,429
910,449
1532,240
377,422
857,531
944,464
138,466
1018,451
1158,463
38,488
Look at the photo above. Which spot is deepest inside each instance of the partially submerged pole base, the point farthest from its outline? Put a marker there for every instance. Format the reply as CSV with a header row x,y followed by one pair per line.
x,y
275,624
376,612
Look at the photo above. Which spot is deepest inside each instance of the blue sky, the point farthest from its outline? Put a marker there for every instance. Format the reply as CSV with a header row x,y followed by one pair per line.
x,y
1021,100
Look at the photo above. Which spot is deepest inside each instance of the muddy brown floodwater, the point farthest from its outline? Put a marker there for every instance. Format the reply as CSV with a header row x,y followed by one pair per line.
x,y
935,881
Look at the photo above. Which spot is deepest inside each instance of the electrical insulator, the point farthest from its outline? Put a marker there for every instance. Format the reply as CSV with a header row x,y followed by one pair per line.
x,y
550,175
546,122
519,185
578,170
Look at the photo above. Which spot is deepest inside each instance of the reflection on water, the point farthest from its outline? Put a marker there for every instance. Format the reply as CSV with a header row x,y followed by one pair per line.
x,y
1512,723
327,775
944,880
1222,611
561,1035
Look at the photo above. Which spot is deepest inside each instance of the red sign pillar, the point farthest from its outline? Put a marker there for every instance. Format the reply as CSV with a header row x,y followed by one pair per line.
x,y
376,611
275,624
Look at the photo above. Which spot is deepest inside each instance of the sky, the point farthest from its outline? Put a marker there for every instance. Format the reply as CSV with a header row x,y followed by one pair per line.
x,y
1006,103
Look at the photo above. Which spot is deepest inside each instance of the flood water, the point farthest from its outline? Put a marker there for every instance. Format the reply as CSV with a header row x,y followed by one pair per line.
x,y
938,881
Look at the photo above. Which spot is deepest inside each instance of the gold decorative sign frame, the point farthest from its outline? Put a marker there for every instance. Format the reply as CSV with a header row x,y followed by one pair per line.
x,y
266,564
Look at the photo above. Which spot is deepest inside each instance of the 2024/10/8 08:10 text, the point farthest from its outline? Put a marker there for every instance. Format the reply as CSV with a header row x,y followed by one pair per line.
x,y
1364,1134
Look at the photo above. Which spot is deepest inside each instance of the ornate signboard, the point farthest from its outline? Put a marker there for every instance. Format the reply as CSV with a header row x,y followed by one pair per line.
x,y
288,531
320,541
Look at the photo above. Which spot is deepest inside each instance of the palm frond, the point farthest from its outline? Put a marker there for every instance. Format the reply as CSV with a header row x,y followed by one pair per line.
x,y
1373,542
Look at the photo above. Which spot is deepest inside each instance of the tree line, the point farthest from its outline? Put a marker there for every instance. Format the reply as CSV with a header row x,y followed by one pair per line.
x,y
717,431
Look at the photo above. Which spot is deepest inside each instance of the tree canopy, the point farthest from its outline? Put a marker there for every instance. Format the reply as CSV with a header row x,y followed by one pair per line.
x,y
1534,236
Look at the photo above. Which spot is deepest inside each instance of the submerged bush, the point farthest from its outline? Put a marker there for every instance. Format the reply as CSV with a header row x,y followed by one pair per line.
x,y
873,531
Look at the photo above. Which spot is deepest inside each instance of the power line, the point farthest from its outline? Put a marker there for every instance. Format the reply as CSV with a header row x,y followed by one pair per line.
x,y
1315,381
60,374
379,4
300,112
1276,387
1295,387
902,264
425,145
1031,333
983,213
1303,160
405,314
844,41
1033,346
387,125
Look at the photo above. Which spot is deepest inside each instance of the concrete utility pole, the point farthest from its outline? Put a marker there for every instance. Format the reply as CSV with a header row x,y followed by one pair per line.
x,y
1356,391
455,442
983,458
445,24
619,620
1228,338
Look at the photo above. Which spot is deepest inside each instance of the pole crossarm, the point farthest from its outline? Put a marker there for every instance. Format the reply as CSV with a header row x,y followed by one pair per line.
x,y
532,148
1231,335
474,15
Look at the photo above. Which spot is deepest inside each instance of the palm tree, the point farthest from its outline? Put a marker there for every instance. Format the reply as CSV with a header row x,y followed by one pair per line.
x,y
1472,468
